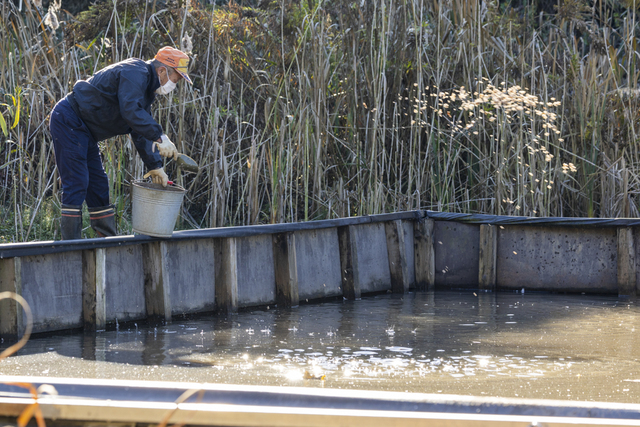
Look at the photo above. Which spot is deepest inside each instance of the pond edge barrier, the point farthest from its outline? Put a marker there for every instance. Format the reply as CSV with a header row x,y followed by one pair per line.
x,y
94,282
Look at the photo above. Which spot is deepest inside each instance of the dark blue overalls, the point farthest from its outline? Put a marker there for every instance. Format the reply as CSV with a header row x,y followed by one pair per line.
x,y
78,159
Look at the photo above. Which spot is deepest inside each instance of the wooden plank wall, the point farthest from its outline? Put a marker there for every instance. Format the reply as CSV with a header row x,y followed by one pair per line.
x,y
162,279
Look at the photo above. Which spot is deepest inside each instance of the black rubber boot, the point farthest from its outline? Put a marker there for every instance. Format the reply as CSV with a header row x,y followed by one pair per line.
x,y
103,220
71,222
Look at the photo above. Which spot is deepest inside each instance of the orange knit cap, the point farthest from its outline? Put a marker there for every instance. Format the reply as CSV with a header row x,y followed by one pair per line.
x,y
175,59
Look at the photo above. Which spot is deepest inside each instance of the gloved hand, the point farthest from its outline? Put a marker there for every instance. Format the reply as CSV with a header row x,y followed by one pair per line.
x,y
166,147
158,176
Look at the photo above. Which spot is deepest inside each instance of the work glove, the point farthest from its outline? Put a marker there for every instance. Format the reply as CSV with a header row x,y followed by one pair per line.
x,y
158,176
165,147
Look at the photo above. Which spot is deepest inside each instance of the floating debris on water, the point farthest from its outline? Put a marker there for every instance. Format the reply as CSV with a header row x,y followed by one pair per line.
x,y
309,376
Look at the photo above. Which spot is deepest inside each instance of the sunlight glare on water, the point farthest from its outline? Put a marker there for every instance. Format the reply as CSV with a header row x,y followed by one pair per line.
x,y
573,347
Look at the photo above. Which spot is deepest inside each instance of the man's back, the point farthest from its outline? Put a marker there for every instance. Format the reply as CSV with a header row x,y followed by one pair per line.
x,y
117,100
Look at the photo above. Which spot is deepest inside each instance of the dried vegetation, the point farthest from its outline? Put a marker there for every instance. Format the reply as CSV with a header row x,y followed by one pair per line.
x,y
323,109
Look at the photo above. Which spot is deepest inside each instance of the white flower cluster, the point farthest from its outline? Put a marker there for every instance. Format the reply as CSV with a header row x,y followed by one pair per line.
x,y
569,167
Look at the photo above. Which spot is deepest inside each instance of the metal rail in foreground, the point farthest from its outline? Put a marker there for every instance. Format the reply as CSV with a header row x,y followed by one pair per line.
x,y
98,401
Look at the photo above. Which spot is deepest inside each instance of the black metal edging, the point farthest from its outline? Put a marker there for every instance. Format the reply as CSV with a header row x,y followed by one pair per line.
x,y
12,250
524,220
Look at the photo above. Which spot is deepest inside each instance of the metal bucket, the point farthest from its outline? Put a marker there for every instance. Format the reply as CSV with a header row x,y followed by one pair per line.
x,y
155,208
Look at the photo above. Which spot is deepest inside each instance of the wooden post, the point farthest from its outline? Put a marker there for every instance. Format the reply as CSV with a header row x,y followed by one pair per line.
x,y
488,255
226,280
89,289
349,262
626,263
156,280
424,255
397,257
94,277
11,313
286,269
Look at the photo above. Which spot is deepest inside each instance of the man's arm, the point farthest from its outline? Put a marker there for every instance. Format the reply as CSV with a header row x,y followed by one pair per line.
x,y
131,95
151,158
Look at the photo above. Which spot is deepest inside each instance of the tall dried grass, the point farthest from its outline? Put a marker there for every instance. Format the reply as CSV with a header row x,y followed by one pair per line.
x,y
318,109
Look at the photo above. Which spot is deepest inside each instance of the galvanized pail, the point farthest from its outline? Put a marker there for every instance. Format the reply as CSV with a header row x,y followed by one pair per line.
x,y
155,208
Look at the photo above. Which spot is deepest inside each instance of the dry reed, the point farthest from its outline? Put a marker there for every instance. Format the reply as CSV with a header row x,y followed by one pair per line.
x,y
311,110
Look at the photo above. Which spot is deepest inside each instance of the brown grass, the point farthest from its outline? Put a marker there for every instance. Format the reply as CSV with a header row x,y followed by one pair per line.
x,y
311,110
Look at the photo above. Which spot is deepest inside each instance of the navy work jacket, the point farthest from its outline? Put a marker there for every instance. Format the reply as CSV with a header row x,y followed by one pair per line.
x,y
117,101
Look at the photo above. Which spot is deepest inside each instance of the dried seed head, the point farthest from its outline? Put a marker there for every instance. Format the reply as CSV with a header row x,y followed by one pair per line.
x,y
186,44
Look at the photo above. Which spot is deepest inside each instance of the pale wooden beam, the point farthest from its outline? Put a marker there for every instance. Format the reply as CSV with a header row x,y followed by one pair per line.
x,y
156,280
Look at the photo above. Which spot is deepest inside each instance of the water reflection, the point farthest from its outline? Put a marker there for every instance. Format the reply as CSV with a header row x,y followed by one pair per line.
x,y
504,344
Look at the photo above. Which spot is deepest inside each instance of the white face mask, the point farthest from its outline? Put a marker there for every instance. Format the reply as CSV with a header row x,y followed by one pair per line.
x,y
167,87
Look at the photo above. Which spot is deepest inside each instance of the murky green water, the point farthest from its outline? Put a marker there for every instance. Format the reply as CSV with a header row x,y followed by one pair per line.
x,y
571,347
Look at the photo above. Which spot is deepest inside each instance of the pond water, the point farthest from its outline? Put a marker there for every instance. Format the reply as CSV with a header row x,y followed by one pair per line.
x,y
531,345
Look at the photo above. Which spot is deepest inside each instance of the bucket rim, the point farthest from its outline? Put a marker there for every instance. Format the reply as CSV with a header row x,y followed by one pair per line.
x,y
174,188
152,233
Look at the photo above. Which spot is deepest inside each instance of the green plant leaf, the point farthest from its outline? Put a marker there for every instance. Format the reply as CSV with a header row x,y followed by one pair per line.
x,y
3,125
16,102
